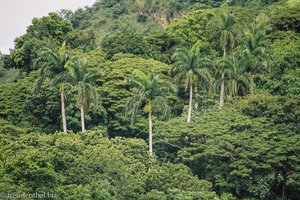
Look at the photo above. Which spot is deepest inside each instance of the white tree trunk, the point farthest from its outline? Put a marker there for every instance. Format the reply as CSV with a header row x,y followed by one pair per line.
x,y
222,92
63,112
82,118
251,83
150,133
190,104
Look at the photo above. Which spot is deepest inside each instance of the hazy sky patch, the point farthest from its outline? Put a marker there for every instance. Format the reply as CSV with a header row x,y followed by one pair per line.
x,y
16,16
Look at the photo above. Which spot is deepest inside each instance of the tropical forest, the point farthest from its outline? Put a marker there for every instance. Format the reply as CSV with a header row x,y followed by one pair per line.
x,y
154,100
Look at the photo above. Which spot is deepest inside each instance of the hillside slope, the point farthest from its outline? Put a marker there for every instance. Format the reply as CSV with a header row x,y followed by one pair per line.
x,y
142,16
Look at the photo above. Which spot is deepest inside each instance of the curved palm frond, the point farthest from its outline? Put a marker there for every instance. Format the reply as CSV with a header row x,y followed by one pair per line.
x,y
132,106
236,79
53,65
84,81
161,105
255,48
187,64
205,78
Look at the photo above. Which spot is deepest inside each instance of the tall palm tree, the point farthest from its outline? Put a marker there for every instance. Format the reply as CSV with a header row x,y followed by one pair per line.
x,y
190,67
254,51
87,97
226,33
236,80
149,92
54,66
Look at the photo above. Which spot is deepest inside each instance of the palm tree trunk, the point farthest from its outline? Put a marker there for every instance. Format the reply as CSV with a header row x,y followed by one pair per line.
x,y
82,118
190,104
283,190
251,83
63,112
222,93
150,133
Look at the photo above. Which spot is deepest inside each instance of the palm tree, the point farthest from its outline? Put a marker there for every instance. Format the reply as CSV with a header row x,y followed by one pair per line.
x,y
236,80
226,33
190,68
254,51
148,92
54,66
87,97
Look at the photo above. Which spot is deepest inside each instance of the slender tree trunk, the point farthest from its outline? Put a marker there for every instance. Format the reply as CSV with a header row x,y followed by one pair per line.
x,y
190,104
150,133
283,190
63,112
251,83
222,92
82,118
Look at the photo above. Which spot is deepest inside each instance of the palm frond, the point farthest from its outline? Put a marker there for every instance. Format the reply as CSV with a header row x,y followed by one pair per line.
x,y
150,90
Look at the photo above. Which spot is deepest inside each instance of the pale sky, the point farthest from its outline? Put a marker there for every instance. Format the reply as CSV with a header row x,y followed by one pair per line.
x,y
16,16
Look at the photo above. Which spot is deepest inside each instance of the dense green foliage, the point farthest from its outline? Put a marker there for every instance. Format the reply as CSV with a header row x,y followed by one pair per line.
x,y
236,67
129,42
91,166
240,154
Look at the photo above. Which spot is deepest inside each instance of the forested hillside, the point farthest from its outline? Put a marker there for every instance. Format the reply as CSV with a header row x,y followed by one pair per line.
x,y
154,100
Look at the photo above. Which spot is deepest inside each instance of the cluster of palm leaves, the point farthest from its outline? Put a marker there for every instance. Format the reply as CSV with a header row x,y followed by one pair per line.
x,y
150,93
60,68
230,75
